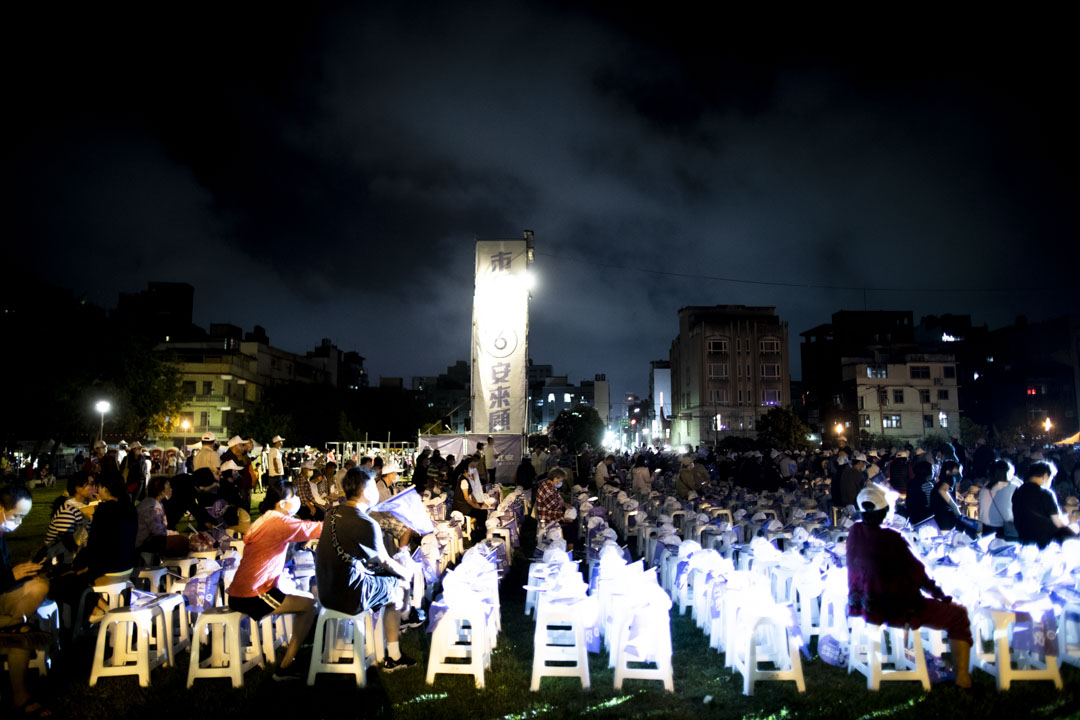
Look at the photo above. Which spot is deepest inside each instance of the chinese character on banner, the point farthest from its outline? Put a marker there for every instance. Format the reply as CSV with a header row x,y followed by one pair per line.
x,y
500,397
499,420
500,372
500,261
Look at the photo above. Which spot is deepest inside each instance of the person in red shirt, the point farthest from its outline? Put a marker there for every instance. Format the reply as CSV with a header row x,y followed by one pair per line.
x,y
254,589
549,503
886,581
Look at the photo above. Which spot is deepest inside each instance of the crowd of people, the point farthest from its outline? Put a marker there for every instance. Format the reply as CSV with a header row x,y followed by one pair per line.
x,y
119,505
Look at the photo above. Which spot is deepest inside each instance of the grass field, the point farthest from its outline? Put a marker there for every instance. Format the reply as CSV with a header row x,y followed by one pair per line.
x,y
703,688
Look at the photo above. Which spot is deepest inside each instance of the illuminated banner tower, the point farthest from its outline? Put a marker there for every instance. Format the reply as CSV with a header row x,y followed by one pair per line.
x,y
500,331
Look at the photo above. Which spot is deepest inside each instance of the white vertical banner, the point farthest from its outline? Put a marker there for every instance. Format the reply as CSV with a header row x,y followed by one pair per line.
x,y
499,337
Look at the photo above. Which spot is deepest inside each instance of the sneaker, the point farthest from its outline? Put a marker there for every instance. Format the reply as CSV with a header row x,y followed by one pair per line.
x,y
286,674
390,665
414,620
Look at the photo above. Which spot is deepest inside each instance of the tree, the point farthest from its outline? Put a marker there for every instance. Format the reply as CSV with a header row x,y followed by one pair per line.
x,y
971,431
582,424
782,428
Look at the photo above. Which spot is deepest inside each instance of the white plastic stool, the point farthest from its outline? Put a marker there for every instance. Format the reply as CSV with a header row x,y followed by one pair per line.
x,y
778,646
623,671
1069,634
229,656
340,637
150,578
461,633
997,625
274,632
178,634
131,632
870,656
560,637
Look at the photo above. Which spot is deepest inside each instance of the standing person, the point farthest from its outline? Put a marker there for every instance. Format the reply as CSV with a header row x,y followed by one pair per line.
x,y
135,470
490,459
254,590
22,592
481,462
352,567
525,475
1036,512
539,461
982,460
207,457
690,476
275,473
851,482
886,582
918,491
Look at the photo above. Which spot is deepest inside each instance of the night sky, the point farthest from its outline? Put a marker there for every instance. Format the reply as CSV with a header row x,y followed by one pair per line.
x,y
325,174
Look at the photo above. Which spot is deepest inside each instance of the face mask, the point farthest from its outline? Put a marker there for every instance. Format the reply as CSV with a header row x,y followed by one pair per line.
x,y
9,525
558,484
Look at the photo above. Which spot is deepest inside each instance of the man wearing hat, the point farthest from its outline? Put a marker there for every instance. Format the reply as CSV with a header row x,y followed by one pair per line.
x,y
135,471
275,469
93,464
208,457
886,583
395,534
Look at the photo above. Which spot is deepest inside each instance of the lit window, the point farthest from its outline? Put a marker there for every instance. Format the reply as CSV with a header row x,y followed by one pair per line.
x,y
865,420
880,372
770,397
551,397
567,397
891,421
943,420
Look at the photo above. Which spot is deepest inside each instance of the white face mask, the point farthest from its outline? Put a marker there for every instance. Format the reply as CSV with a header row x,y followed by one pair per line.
x,y
9,524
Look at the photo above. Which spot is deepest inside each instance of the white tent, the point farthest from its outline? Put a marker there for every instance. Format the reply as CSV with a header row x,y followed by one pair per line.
x,y
1071,440
508,446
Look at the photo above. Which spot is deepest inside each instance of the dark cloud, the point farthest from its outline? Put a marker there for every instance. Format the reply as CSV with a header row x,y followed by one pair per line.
x,y
324,174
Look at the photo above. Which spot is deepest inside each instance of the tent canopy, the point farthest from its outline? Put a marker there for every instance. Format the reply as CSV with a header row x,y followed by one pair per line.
x,y
1071,440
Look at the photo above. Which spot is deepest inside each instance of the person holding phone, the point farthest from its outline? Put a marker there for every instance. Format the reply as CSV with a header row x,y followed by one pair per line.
x,y
21,593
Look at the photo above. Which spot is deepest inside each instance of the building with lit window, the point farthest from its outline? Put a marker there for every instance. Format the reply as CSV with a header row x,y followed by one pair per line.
x,y
729,366
902,398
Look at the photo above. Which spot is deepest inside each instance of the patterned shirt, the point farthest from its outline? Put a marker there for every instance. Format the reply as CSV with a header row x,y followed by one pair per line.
x,y
67,519
549,504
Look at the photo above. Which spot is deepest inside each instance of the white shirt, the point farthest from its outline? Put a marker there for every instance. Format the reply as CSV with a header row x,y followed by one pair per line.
x,y
489,457
207,458
600,477
276,468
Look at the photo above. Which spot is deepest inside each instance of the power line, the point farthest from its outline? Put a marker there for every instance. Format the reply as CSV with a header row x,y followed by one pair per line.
x,y
774,283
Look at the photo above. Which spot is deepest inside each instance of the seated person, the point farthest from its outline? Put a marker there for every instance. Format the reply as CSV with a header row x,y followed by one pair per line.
x,y
21,593
395,533
469,497
352,567
110,546
919,488
254,590
152,535
995,500
550,506
1036,513
185,500
943,505
885,583
314,492
70,521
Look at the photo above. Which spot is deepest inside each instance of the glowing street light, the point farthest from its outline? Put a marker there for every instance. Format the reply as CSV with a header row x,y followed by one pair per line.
x,y
1047,424
839,429
102,406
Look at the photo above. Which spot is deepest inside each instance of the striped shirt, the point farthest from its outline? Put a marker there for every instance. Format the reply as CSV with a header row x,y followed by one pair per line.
x,y
67,519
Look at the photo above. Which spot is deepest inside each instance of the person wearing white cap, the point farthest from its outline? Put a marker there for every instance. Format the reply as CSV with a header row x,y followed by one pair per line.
x,y
886,583
208,457
275,471
395,533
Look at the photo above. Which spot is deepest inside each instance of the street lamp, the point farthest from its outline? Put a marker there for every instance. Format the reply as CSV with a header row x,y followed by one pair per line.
x,y
1047,425
102,407
839,429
